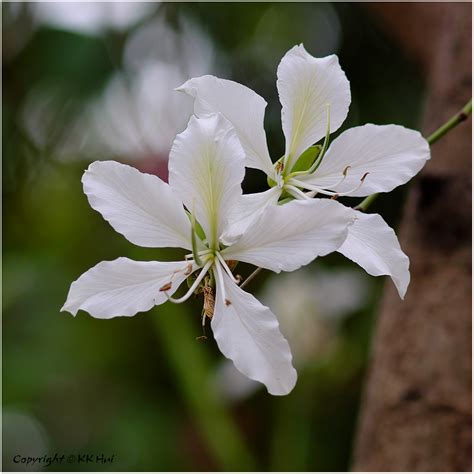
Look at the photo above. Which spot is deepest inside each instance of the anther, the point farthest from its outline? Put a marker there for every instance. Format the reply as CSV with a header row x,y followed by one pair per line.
x,y
227,302
166,287
208,307
231,264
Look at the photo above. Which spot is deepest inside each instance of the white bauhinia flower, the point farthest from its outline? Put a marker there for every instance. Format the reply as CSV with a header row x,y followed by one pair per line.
x,y
315,97
194,211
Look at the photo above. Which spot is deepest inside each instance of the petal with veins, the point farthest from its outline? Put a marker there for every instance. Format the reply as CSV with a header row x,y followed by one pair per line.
x,y
206,169
242,107
124,287
373,245
247,333
306,86
290,236
390,154
249,208
140,206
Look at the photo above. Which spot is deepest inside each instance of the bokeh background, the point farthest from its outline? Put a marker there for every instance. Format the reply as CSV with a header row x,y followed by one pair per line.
x,y
86,82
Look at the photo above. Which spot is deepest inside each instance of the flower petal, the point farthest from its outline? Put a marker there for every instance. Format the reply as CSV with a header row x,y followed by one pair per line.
x,y
249,207
373,245
123,287
306,86
140,206
391,154
290,236
242,107
206,170
247,333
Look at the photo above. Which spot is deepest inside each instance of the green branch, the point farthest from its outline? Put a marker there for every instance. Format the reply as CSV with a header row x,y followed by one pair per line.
x,y
462,115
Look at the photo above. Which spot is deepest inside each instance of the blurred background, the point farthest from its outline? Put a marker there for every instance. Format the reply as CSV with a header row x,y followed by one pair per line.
x,y
94,81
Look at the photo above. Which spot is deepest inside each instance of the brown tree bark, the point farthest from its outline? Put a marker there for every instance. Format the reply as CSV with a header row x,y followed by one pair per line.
x,y
416,413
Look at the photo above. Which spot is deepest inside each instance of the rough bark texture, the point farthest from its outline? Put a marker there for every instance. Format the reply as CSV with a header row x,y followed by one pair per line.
x,y
416,413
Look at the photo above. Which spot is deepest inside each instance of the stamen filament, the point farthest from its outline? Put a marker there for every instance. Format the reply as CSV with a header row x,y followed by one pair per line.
x,y
295,192
311,187
191,290
220,278
201,253
226,268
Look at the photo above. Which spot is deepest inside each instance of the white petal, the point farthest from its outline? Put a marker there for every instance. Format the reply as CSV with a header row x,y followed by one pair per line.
x,y
140,206
373,245
206,169
247,333
391,154
123,287
292,235
249,208
242,107
306,85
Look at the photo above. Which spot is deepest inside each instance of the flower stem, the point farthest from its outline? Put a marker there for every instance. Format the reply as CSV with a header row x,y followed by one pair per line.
x,y
455,120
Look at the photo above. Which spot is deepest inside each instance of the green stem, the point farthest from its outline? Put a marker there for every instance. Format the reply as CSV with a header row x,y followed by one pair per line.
x,y
193,370
462,115
364,205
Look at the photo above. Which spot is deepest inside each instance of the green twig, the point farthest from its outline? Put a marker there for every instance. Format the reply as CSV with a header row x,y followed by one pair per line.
x,y
462,115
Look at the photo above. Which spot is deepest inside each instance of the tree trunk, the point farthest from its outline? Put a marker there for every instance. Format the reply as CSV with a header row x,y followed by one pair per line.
x,y
416,412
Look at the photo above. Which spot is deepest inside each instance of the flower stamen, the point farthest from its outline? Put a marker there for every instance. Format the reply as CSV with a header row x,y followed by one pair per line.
x,y
191,290
226,268
295,192
302,184
220,278
187,270
166,287
201,253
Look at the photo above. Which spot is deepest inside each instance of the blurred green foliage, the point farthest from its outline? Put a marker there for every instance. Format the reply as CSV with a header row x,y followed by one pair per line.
x,y
141,388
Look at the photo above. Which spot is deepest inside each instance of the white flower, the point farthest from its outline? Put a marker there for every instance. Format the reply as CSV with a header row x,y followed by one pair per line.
x,y
91,18
139,115
125,120
206,168
315,98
